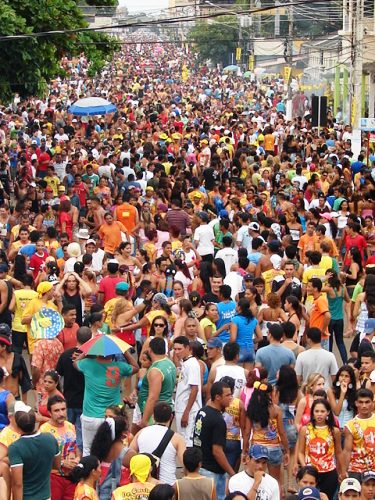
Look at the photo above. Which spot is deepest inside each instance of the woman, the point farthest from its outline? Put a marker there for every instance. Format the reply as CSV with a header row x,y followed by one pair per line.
x,y
295,228
264,426
308,477
6,400
50,388
159,307
86,474
178,292
369,234
271,313
287,395
74,291
301,212
125,258
185,311
342,395
183,276
196,302
342,218
252,295
197,350
65,219
314,382
243,328
159,328
208,323
336,295
113,456
293,307
89,277
353,269
319,444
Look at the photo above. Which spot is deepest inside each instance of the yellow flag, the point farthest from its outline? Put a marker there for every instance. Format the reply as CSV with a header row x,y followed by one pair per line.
x,y
287,72
238,53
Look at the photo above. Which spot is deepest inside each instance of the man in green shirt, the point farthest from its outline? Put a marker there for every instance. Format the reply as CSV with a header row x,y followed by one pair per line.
x,y
159,382
32,457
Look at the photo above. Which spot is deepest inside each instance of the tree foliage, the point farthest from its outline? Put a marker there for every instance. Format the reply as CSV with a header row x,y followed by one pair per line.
x,y
216,40
27,65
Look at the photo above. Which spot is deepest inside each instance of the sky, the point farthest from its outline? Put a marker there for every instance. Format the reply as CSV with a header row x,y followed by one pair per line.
x,y
143,5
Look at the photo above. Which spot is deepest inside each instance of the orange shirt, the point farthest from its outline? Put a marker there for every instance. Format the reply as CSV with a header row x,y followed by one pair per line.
x,y
110,234
308,243
318,310
127,215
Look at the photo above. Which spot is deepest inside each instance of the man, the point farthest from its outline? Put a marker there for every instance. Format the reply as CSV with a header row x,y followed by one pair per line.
x,y
204,238
308,242
32,458
214,353
107,286
141,480
350,489
367,372
147,440
228,254
93,248
227,310
216,282
68,335
7,297
368,485
254,478
127,214
316,360
178,218
193,485
23,297
366,344
102,389
288,284
359,432
230,368
313,270
274,355
319,312
210,435
188,399
110,234
65,434
243,235
159,381
74,382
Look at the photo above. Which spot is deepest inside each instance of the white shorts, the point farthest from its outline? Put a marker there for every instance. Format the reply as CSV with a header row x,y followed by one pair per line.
x,y
137,415
186,432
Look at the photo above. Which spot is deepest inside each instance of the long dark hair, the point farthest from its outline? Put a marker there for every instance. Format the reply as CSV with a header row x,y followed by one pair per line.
x,y
330,419
287,384
220,267
103,441
350,393
258,409
84,468
257,297
244,305
296,304
357,257
334,280
183,268
166,329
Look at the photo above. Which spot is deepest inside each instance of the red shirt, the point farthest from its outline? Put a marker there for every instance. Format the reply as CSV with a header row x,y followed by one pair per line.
x,y
108,287
36,261
68,336
44,159
80,191
359,242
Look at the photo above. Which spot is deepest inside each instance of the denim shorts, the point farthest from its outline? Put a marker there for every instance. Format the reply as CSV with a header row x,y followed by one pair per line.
x,y
247,355
275,455
291,434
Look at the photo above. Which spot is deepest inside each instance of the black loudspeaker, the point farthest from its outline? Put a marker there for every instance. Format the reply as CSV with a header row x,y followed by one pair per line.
x,y
322,122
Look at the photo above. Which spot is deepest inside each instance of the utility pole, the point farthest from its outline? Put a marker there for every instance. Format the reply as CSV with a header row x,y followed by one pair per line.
x,y
358,64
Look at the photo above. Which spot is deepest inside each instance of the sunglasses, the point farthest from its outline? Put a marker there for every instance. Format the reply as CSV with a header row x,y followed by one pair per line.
x,y
160,325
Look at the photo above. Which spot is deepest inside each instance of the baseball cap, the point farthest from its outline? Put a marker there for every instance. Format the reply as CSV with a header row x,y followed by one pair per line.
x,y
5,333
203,216
274,245
369,325
368,476
351,483
254,226
4,268
215,342
93,242
308,493
248,277
122,286
258,451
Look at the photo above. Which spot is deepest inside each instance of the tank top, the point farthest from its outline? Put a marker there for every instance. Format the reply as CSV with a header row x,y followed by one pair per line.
x,y
266,436
4,420
168,371
195,487
320,448
361,319
345,415
335,305
231,416
236,372
148,440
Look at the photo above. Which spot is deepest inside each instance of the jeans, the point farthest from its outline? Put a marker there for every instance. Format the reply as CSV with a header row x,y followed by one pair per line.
x,y
219,480
74,417
233,451
336,328
90,425
325,344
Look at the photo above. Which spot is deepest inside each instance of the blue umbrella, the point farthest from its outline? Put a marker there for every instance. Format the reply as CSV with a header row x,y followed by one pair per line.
x,y
92,106
230,68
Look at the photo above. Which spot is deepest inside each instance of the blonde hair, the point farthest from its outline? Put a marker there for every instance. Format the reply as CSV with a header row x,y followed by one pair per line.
x,y
121,306
312,379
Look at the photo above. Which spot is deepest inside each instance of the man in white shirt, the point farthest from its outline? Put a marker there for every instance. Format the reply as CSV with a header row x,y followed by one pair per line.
x,y
188,399
243,236
228,254
204,238
254,478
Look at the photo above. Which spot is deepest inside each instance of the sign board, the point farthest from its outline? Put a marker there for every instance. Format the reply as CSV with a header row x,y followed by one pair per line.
x,y
368,124
287,72
372,138
238,53
251,62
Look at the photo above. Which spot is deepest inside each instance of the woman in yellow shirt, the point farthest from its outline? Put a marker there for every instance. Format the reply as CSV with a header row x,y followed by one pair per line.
x,y
86,474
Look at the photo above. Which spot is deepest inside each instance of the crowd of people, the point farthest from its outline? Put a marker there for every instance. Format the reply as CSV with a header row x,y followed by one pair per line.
x,y
231,249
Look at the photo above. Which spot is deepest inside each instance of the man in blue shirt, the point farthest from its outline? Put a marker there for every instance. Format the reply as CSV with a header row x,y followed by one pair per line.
x,y
227,309
357,165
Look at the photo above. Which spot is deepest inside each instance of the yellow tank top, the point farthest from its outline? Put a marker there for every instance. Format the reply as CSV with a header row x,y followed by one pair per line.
x,y
266,436
320,448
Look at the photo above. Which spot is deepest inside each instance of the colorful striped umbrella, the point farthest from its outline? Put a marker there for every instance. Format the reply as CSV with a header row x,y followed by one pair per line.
x,y
104,345
46,324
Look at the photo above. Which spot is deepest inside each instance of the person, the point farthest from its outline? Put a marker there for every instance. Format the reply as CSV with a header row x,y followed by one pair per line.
x,y
32,457
23,297
215,356
193,484
86,475
74,382
342,395
149,439
102,389
159,382
227,310
68,335
287,284
264,426
45,356
254,480
6,400
110,233
50,389
231,352
188,398
316,359
273,356
65,434
209,436
319,444
228,254
141,480
359,435
162,492
350,489
320,316
308,476
368,485
314,383
204,238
